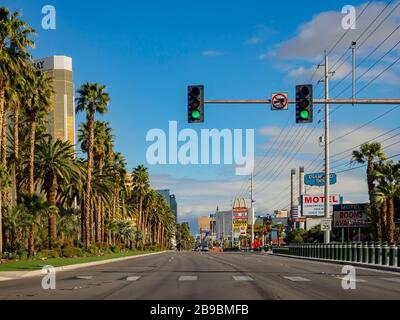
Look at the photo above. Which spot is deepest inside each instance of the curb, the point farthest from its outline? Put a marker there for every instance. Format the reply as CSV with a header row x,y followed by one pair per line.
x,y
344,263
78,266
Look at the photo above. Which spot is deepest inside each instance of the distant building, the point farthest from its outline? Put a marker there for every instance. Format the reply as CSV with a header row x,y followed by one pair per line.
x,y
62,117
203,227
223,222
174,206
170,199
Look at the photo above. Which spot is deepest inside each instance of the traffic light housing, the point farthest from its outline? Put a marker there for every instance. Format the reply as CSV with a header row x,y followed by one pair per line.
x,y
196,104
304,103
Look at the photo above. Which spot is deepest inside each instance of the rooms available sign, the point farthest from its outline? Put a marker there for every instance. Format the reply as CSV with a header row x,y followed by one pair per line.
x,y
313,205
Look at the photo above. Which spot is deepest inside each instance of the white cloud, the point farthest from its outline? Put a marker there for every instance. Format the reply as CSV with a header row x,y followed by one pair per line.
x,y
212,53
325,28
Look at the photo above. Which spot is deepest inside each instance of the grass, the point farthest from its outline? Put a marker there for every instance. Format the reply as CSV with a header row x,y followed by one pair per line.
x,y
37,264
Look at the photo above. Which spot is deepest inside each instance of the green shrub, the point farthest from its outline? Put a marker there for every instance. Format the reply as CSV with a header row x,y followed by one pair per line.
x,y
50,253
115,249
69,251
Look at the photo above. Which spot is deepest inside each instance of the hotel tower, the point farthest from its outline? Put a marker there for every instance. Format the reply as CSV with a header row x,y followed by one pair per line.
x,y
62,117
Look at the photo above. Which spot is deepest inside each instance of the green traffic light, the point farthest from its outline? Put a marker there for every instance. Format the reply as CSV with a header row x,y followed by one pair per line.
x,y
196,114
304,114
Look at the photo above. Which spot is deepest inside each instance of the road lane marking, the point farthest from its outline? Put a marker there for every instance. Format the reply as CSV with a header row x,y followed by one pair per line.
x,y
391,279
242,278
84,277
297,279
135,278
188,278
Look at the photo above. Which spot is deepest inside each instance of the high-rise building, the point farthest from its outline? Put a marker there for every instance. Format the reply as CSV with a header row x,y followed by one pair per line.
x,y
170,199
62,116
174,206
203,225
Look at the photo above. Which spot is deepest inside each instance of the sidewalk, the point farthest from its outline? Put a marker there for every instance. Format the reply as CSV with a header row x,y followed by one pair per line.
x,y
16,275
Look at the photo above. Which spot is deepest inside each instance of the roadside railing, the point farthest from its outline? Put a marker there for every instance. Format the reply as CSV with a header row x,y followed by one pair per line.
x,y
380,254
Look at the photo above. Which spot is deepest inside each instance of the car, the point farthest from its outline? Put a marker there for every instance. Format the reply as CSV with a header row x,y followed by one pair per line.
x,y
204,249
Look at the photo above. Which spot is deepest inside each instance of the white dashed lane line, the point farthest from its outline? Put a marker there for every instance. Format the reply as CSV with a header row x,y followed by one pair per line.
x,y
297,279
84,277
188,278
134,278
242,278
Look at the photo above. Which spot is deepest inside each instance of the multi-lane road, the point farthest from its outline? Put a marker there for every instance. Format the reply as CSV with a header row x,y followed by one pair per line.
x,y
208,276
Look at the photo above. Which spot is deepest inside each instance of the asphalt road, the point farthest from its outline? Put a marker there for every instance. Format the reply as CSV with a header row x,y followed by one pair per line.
x,y
209,276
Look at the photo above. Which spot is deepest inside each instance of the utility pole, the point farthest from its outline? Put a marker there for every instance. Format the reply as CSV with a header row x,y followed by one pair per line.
x,y
327,150
251,212
292,196
353,52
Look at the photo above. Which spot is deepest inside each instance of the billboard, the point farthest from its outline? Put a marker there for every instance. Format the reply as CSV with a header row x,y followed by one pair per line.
x,y
318,179
239,222
313,205
350,216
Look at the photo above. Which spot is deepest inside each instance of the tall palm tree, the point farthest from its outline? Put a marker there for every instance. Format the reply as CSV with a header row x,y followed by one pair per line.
x,y
40,101
5,183
33,206
369,153
92,98
388,176
55,164
14,42
141,185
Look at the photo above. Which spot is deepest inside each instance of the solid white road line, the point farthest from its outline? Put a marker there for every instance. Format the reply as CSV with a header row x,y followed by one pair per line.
x,y
84,277
188,278
242,278
297,279
135,278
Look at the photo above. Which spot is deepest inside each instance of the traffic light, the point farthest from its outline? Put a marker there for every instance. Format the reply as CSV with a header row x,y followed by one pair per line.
x,y
304,103
196,104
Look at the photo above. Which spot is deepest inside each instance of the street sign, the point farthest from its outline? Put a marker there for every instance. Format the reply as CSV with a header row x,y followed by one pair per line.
x,y
313,205
279,101
350,216
326,224
318,179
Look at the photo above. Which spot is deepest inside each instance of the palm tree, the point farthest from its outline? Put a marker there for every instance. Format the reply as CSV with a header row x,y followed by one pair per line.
x,y
369,153
40,101
141,185
91,98
33,206
14,41
5,183
388,176
54,162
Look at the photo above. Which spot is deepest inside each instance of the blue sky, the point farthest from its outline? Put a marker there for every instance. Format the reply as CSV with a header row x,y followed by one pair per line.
x,y
147,52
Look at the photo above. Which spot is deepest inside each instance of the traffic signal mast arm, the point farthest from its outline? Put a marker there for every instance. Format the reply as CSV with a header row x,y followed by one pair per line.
x,y
315,101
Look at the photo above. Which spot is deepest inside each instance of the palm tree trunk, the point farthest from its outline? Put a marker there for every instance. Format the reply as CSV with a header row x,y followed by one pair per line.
x,y
32,132
390,212
2,112
384,220
371,193
16,176
31,240
1,227
89,177
52,199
